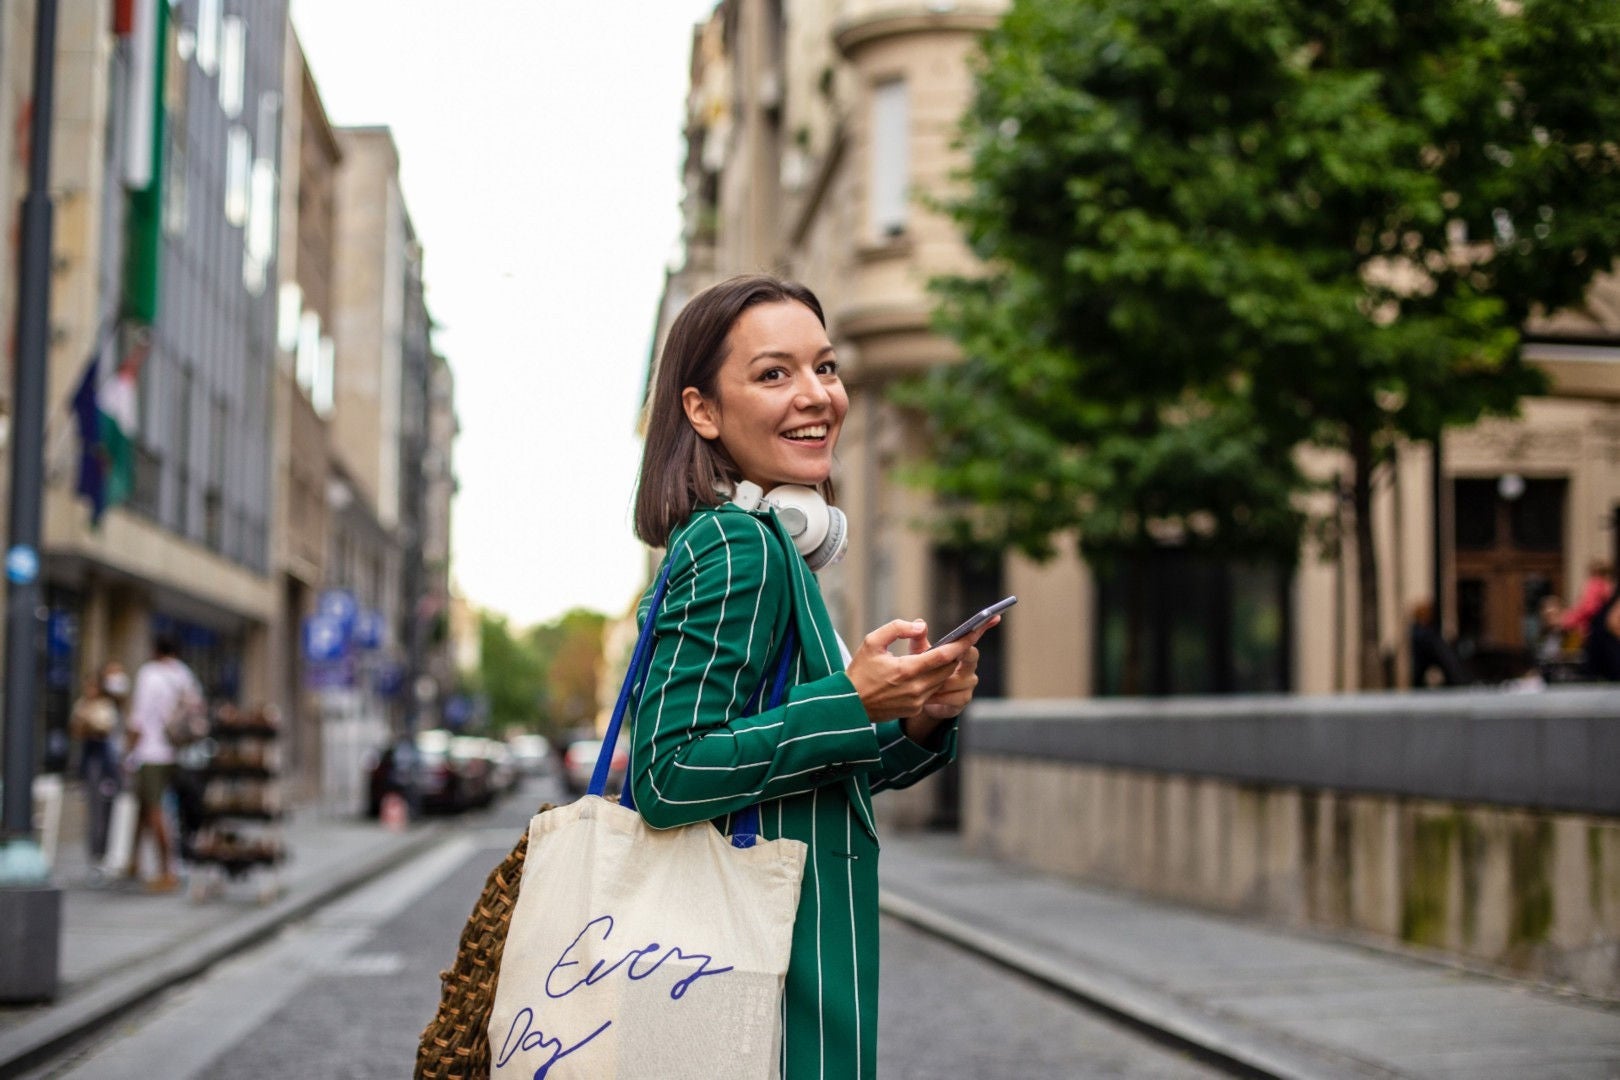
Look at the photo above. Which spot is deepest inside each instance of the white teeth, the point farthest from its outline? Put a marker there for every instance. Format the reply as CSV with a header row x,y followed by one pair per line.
x,y
814,431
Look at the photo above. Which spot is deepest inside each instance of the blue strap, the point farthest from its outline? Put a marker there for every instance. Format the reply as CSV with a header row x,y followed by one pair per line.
x,y
745,824
638,660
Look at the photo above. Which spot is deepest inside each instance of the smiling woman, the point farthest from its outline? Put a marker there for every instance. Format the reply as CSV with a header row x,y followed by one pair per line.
x,y
746,411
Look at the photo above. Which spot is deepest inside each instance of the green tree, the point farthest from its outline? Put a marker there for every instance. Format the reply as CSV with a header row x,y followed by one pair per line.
x,y
511,674
570,649
1231,226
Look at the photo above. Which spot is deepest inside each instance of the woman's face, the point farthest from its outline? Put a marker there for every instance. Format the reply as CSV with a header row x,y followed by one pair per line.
x,y
779,404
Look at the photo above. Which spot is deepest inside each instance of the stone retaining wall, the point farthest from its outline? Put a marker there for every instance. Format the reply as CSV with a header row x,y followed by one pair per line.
x,y
1305,831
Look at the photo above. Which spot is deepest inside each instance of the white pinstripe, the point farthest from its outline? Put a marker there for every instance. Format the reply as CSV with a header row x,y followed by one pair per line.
x,y
821,997
854,943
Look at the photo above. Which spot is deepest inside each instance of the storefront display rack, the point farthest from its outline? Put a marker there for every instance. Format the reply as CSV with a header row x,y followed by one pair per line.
x,y
241,813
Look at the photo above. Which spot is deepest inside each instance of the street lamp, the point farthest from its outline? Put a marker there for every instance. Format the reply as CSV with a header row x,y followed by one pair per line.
x,y
30,907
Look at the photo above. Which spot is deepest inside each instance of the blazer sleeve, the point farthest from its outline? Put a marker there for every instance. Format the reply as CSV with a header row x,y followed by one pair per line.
x,y
694,756
903,762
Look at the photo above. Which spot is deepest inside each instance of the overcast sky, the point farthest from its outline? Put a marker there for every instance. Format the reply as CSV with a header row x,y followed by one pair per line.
x,y
540,155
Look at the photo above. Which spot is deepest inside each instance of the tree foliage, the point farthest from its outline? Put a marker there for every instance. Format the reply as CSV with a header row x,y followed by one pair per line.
x,y
1216,229
543,679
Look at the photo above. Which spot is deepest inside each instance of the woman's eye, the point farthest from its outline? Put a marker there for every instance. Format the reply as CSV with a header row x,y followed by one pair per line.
x,y
772,375
827,367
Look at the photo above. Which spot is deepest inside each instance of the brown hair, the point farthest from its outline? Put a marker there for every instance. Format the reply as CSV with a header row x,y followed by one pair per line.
x,y
680,470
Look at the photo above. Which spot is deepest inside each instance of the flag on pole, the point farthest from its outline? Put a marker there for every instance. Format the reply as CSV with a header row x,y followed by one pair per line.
x,y
105,409
143,165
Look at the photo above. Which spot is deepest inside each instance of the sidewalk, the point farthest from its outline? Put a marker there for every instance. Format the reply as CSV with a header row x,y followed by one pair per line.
x,y
121,945
1270,1002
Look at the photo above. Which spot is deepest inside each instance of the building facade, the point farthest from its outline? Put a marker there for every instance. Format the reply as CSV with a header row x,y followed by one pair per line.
x,y
206,261
818,131
167,262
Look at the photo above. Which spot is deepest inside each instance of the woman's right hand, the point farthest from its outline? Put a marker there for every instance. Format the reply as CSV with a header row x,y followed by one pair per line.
x,y
893,686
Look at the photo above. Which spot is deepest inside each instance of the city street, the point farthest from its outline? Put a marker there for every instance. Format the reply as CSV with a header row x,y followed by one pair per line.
x,y
346,991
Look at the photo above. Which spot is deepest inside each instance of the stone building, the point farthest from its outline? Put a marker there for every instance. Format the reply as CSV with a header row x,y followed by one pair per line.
x,y
265,301
818,130
181,288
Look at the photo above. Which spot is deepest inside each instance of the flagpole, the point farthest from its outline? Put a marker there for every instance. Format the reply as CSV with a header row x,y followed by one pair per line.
x,y
30,907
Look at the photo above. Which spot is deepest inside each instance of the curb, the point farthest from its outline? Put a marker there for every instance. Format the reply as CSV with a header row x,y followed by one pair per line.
x,y
1228,1044
37,1041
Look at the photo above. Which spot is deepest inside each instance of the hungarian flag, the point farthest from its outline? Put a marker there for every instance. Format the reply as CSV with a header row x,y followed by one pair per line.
x,y
105,411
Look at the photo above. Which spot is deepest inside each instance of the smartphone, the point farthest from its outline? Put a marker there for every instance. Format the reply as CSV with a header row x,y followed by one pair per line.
x,y
978,620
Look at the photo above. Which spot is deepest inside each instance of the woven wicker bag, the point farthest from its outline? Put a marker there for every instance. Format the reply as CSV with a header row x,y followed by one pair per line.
x,y
455,1044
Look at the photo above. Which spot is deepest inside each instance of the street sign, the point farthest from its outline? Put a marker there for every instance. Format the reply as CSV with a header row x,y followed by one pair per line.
x,y
369,629
22,565
325,639
340,606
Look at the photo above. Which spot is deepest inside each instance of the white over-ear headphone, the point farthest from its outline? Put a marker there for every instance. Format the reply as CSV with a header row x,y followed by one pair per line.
x,y
820,532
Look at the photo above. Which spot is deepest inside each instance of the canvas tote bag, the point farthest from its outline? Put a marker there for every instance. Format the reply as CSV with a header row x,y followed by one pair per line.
x,y
644,954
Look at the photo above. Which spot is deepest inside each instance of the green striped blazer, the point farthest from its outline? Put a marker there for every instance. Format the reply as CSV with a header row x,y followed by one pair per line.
x,y
812,764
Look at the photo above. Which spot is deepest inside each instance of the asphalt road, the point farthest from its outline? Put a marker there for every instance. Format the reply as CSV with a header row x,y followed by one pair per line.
x,y
344,995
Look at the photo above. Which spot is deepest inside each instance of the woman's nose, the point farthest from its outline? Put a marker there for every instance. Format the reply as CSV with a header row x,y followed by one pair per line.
x,y
811,392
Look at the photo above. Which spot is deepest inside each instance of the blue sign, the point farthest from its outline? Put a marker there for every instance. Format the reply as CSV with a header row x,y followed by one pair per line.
x,y
325,639
340,606
369,628
22,565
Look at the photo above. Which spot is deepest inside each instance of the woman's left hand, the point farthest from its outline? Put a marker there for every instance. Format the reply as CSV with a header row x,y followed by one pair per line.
x,y
951,698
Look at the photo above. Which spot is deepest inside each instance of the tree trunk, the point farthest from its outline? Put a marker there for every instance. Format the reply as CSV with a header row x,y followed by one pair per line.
x,y
1131,681
1369,663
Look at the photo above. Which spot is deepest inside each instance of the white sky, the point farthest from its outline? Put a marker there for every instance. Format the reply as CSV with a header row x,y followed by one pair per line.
x,y
540,154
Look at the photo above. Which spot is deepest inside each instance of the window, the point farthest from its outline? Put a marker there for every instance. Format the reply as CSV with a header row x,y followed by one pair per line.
x,y
208,33
325,372
1509,542
238,153
1173,622
214,492
288,315
309,350
260,244
182,453
891,158
232,66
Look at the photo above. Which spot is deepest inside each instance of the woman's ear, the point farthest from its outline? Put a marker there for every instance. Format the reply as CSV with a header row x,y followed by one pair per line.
x,y
701,413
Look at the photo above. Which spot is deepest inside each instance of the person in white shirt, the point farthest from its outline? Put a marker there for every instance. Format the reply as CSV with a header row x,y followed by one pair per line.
x,y
164,685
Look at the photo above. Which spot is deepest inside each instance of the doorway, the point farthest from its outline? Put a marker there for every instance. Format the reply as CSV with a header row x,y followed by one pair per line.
x,y
1509,543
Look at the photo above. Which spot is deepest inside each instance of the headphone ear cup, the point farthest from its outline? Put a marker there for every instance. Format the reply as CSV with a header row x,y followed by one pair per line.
x,y
831,549
820,532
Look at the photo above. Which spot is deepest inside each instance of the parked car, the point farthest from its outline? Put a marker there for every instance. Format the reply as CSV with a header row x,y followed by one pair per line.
x,y
476,770
503,772
579,761
531,754
447,778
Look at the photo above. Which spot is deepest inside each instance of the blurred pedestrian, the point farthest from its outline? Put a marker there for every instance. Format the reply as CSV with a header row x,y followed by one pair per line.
x,y
95,727
1557,650
1434,661
1595,593
1603,640
164,688
745,415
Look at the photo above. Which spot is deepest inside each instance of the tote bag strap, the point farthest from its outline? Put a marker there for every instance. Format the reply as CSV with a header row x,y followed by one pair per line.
x,y
745,824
